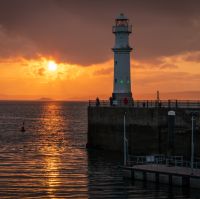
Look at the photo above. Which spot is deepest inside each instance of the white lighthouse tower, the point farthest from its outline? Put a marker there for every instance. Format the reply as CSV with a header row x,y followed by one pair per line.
x,y
122,79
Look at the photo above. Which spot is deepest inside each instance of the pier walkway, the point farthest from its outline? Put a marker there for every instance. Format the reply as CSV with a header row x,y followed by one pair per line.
x,y
172,171
164,169
191,104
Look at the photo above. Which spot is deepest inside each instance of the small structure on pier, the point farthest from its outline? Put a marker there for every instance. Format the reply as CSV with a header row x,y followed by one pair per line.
x,y
122,78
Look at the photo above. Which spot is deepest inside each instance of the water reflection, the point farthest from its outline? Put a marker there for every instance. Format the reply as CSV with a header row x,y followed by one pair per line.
x,y
54,143
53,125
50,140
106,178
49,160
52,173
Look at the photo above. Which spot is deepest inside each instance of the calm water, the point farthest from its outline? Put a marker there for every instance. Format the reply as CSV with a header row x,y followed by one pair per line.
x,y
49,160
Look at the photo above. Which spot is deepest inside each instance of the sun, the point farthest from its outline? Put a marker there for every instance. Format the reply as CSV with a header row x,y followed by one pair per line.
x,y
52,66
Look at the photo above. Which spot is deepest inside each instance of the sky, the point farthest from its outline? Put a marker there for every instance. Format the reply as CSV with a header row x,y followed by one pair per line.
x,y
76,36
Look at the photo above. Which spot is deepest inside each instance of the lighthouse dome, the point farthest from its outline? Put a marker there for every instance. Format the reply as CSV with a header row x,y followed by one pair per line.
x,y
121,17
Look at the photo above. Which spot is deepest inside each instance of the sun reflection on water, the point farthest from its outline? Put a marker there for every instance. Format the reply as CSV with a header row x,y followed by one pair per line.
x,y
52,142
52,172
49,160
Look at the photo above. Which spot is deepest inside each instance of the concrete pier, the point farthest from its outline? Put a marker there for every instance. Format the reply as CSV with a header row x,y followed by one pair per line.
x,y
180,176
146,126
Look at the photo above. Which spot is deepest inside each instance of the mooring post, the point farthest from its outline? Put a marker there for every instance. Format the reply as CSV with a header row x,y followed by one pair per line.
x,y
171,126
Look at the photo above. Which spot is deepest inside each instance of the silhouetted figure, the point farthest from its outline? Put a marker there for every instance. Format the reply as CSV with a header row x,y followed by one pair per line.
x,y
125,101
111,101
97,101
23,128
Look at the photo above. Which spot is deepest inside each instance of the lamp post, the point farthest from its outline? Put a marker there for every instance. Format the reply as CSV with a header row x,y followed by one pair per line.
x,y
125,141
192,144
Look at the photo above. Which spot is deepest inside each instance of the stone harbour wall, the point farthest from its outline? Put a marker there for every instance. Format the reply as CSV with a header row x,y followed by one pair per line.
x,y
146,130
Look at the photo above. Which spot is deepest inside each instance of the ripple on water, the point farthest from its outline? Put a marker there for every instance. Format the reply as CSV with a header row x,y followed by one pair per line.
x,y
49,160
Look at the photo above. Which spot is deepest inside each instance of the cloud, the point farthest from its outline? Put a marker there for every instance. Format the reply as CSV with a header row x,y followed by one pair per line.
x,y
69,80
80,31
183,95
192,57
12,45
173,66
103,71
159,63
41,71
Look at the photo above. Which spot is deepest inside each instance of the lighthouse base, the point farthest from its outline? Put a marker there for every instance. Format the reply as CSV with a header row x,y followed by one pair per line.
x,y
122,98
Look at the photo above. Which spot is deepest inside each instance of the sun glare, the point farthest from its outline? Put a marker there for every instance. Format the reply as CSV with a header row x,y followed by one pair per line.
x,y
52,66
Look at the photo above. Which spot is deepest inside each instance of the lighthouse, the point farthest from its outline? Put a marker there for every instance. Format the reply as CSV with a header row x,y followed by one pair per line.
x,y
122,78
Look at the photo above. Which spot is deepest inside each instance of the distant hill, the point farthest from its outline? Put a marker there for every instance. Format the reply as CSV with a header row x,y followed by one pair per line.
x,y
44,99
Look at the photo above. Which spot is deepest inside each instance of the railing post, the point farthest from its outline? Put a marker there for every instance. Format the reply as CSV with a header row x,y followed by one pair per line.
x,y
192,143
133,103
169,104
151,103
176,103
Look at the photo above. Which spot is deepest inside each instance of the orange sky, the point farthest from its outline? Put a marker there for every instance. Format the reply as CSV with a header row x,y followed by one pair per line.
x,y
174,76
77,36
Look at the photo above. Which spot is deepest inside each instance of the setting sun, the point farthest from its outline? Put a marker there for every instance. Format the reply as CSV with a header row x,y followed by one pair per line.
x,y
52,66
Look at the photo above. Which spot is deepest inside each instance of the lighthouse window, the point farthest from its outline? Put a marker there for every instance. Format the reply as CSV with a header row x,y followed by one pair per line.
x,y
115,80
115,62
121,81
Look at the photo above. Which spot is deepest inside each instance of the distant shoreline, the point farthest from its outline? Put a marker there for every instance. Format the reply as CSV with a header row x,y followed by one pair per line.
x,y
32,100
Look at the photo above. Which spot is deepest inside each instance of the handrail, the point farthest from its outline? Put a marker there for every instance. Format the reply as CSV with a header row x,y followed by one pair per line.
x,y
149,103
161,160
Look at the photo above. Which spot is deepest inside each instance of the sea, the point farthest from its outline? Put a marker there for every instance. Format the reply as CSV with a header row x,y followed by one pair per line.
x,y
49,159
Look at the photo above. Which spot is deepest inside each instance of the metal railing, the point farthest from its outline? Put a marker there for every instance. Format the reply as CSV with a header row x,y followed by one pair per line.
x,y
148,103
176,161
122,28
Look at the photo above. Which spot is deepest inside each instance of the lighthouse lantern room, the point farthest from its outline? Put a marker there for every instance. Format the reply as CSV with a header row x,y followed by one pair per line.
x,y
122,79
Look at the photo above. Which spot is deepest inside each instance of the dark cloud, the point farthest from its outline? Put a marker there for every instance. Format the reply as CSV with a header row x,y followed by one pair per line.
x,y
15,45
79,31
193,57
